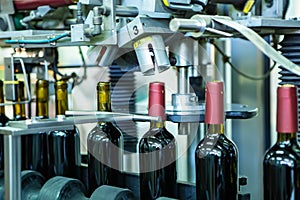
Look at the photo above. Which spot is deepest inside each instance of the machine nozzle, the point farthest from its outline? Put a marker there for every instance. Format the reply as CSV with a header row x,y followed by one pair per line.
x,y
151,51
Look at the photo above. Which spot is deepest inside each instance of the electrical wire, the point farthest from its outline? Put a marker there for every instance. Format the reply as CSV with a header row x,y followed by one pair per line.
x,y
45,41
226,59
84,76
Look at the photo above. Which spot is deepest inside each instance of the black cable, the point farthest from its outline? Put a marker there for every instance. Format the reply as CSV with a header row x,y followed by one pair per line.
x,y
84,76
285,8
226,59
55,63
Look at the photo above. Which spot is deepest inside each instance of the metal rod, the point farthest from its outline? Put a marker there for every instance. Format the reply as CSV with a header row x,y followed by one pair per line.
x,y
125,11
186,25
12,167
182,80
110,116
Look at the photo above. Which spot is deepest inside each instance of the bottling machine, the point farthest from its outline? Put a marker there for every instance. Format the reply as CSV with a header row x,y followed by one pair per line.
x,y
147,37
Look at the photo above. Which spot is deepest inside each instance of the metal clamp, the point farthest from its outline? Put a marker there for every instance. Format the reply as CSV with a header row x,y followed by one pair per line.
x,y
9,74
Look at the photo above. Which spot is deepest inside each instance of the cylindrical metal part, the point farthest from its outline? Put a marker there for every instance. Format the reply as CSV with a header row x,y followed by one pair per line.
x,y
31,184
97,20
183,81
187,25
181,51
33,4
61,97
125,11
144,56
12,167
62,188
160,55
42,93
149,49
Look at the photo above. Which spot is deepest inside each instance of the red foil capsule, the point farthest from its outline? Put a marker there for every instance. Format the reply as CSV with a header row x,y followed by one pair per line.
x,y
287,109
214,106
157,100
33,4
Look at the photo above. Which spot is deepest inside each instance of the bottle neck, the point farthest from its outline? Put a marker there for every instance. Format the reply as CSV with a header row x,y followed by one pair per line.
x,y
285,137
61,100
215,128
103,99
155,124
19,109
42,105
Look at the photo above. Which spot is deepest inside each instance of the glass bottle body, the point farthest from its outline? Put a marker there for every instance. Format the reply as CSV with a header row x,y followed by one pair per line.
x,y
64,153
34,153
157,160
216,167
104,156
282,169
63,146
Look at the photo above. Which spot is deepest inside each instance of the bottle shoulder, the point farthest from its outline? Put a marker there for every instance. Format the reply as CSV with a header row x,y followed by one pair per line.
x,y
105,130
217,145
65,133
158,133
287,151
158,138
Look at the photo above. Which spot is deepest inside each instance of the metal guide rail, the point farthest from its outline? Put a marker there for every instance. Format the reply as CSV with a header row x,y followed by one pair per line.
x,y
15,129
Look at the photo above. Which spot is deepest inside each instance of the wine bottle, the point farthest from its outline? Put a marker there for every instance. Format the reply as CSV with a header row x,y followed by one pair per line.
x,y
216,156
105,143
157,151
63,145
281,164
35,145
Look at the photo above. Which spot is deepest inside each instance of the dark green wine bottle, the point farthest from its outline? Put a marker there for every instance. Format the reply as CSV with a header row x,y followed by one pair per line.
x,y
216,156
63,145
105,147
282,162
157,151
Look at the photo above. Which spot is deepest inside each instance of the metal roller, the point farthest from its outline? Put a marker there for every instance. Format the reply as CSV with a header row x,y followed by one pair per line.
x,y
31,183
107,192
61,188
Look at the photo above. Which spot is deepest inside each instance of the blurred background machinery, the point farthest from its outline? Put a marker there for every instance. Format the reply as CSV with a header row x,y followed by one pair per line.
x,y
183,43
